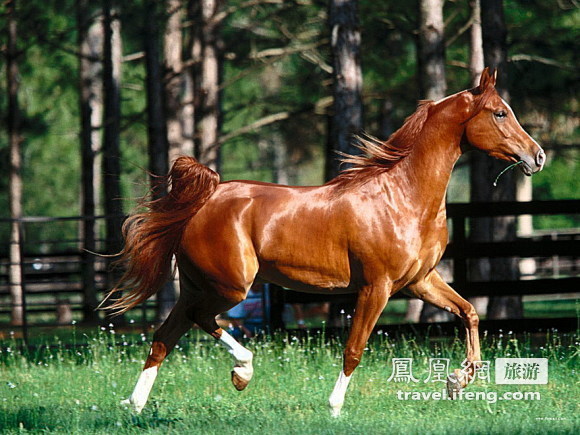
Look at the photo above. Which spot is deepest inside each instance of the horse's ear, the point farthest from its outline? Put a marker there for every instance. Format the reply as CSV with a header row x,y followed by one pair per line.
x,y
494,77
482,93
487,79
484,79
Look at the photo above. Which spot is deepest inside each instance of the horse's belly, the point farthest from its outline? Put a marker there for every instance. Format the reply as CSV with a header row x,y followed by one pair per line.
x,y
311,277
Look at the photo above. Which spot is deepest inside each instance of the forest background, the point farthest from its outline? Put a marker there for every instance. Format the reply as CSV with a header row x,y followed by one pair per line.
x,y
276,61
107,91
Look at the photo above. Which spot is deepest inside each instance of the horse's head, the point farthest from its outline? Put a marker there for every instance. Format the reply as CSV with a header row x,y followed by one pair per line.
x,y
493,128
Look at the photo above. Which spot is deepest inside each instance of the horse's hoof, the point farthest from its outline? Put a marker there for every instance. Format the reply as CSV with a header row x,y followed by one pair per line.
x,y
242,374
335,410
239,382
128,403
455,384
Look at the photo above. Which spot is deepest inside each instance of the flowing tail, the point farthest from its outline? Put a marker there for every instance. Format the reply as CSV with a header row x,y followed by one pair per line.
x,y
153,237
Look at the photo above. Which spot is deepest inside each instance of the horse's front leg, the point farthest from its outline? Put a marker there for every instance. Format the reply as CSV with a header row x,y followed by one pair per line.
x,y
370,304
436,291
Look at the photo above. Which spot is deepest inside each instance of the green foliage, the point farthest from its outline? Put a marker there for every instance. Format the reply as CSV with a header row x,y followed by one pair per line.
x,y
277,60
560,179
271,72
546,34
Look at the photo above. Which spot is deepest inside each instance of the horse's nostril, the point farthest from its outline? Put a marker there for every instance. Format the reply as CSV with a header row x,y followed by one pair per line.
x,y
540,158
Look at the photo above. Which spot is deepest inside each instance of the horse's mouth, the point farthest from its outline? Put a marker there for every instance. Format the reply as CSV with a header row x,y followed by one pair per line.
x,y
525,168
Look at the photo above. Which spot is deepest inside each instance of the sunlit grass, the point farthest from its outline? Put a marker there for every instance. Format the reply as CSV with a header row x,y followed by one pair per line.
x,y
77,390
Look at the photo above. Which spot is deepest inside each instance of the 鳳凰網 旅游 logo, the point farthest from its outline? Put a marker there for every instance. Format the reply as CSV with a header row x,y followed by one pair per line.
x,y
521,370
507,370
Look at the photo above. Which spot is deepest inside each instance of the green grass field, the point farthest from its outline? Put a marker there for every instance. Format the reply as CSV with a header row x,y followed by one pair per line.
x,y
77,390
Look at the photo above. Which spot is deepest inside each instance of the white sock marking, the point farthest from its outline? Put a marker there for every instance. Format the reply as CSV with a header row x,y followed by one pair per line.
x,y
140,394
242,356
336,399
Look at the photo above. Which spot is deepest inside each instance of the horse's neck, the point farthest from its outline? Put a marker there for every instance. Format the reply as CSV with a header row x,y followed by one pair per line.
x,y
426,171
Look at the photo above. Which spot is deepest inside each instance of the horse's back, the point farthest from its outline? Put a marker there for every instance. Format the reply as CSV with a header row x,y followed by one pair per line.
x,y
287,234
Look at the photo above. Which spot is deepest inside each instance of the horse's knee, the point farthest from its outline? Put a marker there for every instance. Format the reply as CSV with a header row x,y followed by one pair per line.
x,y
352,359
471,316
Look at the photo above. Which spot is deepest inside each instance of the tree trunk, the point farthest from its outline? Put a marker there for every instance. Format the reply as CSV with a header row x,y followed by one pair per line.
x,y
433,86
15,176
347,110
525,223
187,118
476,66
112,128
476,59
209,113
156,125
111,131
431,50
192,79
157,133
282,171
88,83
96,42
485,168
173,63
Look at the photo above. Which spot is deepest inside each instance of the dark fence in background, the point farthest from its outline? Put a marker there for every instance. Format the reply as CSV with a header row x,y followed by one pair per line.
x,y
55,276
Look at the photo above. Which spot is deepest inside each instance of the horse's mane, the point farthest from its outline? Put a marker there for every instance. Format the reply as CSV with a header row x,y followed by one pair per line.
x,y
380,156
383,155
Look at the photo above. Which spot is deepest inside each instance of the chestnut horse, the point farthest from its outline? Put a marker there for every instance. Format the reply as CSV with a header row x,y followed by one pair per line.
x,y
379,227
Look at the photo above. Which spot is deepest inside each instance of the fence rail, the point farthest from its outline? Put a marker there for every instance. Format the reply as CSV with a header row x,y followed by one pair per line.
x,y
54,273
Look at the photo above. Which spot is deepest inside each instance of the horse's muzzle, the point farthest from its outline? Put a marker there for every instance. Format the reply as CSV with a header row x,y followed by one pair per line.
x,y
531,165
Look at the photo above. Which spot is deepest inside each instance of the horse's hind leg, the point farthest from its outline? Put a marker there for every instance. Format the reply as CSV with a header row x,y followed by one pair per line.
x,y
243,369
164,340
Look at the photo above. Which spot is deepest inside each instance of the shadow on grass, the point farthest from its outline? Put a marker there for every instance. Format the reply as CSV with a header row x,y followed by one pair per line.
x,y
152,420
57,419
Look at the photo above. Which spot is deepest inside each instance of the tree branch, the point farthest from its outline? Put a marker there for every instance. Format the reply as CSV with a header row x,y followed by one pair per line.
x,y
256,125
284,51
219,17
262,122
540,59
460,32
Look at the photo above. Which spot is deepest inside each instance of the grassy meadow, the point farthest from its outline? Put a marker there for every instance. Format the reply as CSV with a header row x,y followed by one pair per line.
x,y
61,389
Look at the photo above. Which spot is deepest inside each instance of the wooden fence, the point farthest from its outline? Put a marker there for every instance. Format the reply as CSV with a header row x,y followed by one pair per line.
x,y
54,274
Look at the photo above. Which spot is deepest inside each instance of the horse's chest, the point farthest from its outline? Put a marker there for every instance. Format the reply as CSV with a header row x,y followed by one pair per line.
x,y
428,250
408,250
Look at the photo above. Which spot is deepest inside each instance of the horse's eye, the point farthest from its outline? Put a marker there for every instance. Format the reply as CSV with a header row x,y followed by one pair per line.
x,y
502,114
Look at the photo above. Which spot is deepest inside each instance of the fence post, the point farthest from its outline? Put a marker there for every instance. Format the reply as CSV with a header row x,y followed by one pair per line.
x,y
459,258
22,282
88,270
